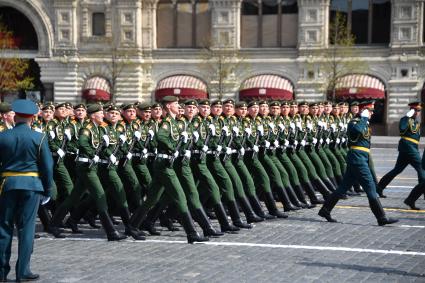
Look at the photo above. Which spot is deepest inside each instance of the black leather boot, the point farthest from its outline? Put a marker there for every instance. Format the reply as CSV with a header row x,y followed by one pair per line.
x,y
90,217
321,187
378,211
357,188
284,199
138,216
251,217
45,217
236,218
271,206
293,196
108,226
333,180
149,223
300,195
309,190
329,185
225,225
414,195
189,228
57,221
73,225
129,230
256,206
166,219
201,217
338,179
380,189
327,207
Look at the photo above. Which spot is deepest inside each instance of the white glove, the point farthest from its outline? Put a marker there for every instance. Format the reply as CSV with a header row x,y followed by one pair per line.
x,y
276,143
365,113
328,141
299,126
286,142
248,131
325,125
242,151
338,140
219,148
106,140
236,130
341,125
52,134
343,140
314,141
303,142
267,144
271,125
333,126
295,143
138,135
205,148
145,151
68,134
40,131
228,150
151,133
292,125
196,136
129,156
226,130
255,148
187,154
176,154
212,129
321,141
185,136
44,200
410,113
260,128
61,153
96,159
113,158
310,126
281,127
123,138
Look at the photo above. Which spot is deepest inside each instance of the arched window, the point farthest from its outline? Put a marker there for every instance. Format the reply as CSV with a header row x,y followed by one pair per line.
x,y
183,24
369,21
269,23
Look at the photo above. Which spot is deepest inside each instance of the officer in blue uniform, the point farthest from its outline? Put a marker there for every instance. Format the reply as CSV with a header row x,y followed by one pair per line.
x,y
26,175
408,148
358,169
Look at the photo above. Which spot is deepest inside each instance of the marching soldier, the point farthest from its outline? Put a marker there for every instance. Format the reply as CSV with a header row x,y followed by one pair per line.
x,y
358,168
410,134
7,115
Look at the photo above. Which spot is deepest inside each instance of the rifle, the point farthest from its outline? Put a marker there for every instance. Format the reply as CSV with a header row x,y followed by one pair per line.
x,y
114,152
145,144
257,138
220,141
242,145
189,147
226,156
179,144
130,149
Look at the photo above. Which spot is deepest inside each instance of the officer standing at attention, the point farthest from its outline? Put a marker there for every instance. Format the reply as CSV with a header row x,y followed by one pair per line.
x,y
410,134
26,175
358,169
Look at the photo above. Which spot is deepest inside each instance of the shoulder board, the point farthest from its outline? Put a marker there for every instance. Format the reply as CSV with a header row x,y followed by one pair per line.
x,y
120,128
89,126
104,124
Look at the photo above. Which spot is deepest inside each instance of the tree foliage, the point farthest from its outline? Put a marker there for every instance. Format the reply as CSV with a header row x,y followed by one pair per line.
x,y
13,70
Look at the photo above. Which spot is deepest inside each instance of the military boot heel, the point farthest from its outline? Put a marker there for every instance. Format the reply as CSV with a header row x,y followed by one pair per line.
x,y
138,216
57,221
108,226
304,202
166,219
378,211
309,190
256,206
321,187
236,218
329,185
201,217
327,207
251,217
45,217
284,199
149,223
225,225
129,230
189,228
271,206
293,196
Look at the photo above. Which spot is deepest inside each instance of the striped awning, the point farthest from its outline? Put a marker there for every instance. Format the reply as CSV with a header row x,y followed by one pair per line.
x,y
266,87
359,87
183,86
97,89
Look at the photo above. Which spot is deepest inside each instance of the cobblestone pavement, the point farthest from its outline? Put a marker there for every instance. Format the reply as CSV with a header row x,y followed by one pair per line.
x,y
302,248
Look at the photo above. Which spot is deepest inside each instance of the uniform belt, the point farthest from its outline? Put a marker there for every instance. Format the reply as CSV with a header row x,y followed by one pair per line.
x,y
164,156
19,174
212,152
106,161
83,159
197,151
411,140
361,148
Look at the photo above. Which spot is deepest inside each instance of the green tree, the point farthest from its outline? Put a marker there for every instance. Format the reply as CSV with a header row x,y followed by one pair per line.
x,y
13,70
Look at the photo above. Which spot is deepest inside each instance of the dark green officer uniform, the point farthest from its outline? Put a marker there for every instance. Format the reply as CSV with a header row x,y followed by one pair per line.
x,y
26,174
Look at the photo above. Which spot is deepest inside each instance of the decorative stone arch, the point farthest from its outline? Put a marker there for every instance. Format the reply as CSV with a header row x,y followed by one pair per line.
x,y
37,15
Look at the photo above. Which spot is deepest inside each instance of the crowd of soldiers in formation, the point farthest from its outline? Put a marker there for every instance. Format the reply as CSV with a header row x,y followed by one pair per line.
x,y
144,162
